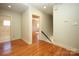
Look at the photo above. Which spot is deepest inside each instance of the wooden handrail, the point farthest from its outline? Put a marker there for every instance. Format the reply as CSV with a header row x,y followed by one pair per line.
x,y
46,36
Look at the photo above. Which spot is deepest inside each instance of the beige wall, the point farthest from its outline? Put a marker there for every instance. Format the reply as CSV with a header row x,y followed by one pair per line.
x,y
15,23
46,23
66,25
27,26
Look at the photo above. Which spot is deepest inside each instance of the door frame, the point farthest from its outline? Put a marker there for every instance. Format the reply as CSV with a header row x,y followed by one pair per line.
x,y
34,15
10,24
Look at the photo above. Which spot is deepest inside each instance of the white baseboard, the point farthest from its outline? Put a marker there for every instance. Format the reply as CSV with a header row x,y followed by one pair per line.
x,y
66,47
75,50
26,41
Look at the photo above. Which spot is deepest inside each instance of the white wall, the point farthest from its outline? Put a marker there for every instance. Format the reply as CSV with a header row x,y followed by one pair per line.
x,y
66,29
27,26
45,23
15,23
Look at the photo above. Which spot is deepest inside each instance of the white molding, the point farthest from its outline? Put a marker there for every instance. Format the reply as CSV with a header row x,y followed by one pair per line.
x,y
75,50
67,47
28,42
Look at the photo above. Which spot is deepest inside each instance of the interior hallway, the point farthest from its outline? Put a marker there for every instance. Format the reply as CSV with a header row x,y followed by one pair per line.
x,y
62,29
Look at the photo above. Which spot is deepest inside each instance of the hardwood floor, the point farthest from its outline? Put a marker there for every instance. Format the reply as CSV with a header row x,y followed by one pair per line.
x,y
40,48
35,37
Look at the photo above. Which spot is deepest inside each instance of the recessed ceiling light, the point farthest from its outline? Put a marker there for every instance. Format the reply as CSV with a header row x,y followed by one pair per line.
x,y
9,6
44,7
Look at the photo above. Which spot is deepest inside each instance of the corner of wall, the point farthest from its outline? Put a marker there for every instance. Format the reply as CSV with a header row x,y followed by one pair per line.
x,y
28,42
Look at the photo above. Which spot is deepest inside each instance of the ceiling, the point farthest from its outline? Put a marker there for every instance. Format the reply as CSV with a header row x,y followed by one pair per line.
x,y
20,7
17,7
40,6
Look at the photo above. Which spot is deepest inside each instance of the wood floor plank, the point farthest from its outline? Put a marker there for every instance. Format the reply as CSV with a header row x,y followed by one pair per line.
x,y
38,48
20,48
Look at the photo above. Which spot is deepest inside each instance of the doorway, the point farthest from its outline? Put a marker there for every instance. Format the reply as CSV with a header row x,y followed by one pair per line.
x,y
5,28
35,28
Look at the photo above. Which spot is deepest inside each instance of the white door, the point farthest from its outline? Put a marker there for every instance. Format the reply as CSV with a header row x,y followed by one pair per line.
x,y
5,28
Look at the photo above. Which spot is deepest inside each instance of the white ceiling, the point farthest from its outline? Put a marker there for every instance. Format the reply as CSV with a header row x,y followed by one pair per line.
x,y
20,7
48,9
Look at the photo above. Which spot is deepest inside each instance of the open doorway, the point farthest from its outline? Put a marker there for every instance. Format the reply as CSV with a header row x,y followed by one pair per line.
x,y
4,28
35,28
